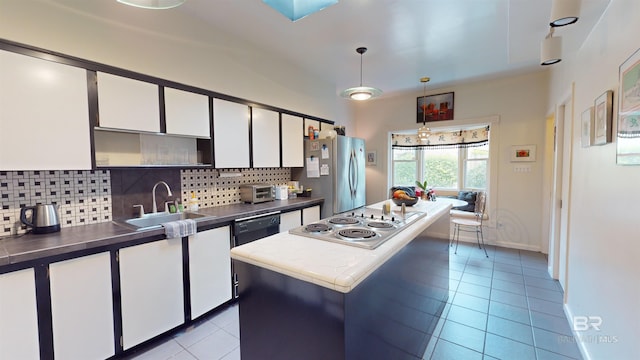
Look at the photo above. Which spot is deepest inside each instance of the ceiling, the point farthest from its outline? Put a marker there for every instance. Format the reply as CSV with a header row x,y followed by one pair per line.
x,y
451,41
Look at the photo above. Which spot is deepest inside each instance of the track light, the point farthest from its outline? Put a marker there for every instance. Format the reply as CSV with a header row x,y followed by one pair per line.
x,y
551,49
564,12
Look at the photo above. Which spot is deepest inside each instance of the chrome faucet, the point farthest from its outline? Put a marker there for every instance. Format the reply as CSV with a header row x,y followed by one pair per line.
x,y
155,207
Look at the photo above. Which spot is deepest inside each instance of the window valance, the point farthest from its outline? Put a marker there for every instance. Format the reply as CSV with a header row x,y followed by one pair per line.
x,y
443,139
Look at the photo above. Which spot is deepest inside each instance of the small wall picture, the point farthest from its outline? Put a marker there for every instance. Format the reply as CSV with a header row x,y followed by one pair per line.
x,y
523,153
628,130
372,158
587,126
435,107
603,112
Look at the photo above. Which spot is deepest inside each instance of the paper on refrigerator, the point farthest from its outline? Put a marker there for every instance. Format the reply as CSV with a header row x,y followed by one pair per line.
x,y
313,167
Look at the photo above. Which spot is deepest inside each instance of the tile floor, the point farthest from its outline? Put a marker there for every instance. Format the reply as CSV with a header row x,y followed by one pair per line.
x,y
504,307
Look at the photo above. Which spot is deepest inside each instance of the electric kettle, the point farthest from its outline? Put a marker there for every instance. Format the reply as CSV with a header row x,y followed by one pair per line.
x,y
43,219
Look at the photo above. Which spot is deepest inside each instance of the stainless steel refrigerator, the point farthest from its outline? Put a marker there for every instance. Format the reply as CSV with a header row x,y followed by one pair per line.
x,y
337,173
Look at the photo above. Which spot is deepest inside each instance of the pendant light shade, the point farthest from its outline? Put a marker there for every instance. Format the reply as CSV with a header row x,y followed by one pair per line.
x,y
361,92
424,132
153,4
564,12
551,50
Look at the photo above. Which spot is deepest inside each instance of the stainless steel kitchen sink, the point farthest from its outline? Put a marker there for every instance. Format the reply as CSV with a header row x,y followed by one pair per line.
x,y
154,220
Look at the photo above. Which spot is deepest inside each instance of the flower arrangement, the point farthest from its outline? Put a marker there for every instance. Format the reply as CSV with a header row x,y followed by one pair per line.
x,y
427,193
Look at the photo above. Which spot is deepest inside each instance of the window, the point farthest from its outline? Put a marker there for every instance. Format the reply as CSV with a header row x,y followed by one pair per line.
x,y
404,167
443,168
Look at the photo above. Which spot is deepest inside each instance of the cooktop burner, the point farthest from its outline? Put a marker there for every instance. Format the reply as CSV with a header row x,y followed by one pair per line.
x,y
344,221
362,228
317,228
356,234
380,225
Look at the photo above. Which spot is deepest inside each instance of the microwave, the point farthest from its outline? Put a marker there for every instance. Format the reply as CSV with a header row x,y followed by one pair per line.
x,y
257,193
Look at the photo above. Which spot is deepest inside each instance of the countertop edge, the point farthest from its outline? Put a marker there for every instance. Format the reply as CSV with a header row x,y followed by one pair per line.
x,y
18,249
344,281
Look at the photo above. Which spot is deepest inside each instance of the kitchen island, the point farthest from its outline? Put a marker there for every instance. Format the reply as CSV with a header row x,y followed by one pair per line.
x,y
307,298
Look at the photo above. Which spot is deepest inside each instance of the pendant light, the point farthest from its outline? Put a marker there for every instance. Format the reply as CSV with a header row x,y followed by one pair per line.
x,y
564,12
551,49
424,132
361,92
153,4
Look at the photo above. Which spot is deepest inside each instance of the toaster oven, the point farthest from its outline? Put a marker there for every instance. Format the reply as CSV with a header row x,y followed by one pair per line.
x,y
257,193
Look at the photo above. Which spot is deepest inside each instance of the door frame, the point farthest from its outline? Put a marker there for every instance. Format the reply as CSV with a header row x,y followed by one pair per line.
x,y
558,192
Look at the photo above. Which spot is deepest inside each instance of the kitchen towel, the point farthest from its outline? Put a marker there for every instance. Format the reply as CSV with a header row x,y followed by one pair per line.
x,y
180,228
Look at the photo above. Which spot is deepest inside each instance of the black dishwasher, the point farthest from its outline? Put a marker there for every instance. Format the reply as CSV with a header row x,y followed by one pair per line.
x,y
248,229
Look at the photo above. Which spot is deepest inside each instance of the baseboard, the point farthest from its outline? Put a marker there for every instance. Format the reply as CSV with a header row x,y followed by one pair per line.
x,y
581,344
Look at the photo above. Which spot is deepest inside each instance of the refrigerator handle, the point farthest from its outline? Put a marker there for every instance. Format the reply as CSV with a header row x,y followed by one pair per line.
x,y
355,172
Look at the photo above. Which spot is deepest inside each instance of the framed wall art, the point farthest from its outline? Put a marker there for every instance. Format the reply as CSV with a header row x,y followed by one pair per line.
x,y
372,158
435,107
603,112
523,153
587,127
628,131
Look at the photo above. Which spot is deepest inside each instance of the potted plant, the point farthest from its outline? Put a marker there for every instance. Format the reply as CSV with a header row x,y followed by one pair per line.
x,y
427,193
423,186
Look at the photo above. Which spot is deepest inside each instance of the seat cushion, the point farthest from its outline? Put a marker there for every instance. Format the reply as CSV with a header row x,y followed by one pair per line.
x,y
470,198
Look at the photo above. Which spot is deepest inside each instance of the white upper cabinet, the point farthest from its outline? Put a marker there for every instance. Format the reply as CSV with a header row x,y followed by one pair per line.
x,y
186,113
265,126
230,134
292,141
128,104
313,123
44,115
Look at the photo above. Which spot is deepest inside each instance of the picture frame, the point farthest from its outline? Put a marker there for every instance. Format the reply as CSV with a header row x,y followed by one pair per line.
x,y
372,158
602,115
438,107
587,127
628,125
523,153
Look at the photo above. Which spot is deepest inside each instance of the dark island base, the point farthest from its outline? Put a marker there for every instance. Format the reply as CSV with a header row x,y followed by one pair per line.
x,y
390,315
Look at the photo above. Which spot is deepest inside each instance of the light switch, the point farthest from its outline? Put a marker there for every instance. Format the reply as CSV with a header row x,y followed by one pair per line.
x,y
522,168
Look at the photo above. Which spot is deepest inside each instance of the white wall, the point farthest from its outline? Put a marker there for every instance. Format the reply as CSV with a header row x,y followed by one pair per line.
x,y
604,252
189,51
520,103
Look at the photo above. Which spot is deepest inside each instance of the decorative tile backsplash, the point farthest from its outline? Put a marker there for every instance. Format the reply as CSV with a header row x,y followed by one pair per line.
x,y
84,196
212,190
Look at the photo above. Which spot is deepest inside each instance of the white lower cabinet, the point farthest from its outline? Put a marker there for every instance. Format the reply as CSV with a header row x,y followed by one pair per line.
x,y
310,214
209,269
19,324
151,290
82,307
290,220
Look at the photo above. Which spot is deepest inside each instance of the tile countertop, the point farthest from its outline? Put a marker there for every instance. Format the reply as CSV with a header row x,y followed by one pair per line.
x,y
28,247
335,266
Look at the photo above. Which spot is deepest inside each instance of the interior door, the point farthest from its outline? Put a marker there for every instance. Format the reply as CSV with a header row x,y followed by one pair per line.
x,y
559,223
565,195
